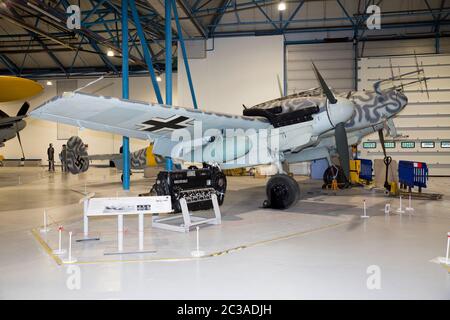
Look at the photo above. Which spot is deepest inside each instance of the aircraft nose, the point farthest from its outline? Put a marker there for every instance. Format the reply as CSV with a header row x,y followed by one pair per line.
x,y
341,111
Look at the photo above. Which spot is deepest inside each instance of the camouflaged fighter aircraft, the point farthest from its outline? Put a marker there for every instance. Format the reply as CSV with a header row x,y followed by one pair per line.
x,y
260,136
374,112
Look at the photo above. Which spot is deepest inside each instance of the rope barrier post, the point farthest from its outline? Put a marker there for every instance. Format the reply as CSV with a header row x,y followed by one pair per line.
x,y
60,250
70,259
400,209
45,229
197,253
409,207
365,216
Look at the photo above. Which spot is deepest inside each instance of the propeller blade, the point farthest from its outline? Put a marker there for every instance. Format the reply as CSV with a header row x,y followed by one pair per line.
x,y
326,90
381,137
24,109
20,143
342,148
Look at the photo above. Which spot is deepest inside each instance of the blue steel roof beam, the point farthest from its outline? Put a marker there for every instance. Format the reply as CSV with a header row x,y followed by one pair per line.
x,y
93,37
236,13
102,56
101,19
267,17
76,54
151,28
11,66
184,54
94,10
146,50
188,11
38,40
203,5
218,16
346,13
294,13
196,3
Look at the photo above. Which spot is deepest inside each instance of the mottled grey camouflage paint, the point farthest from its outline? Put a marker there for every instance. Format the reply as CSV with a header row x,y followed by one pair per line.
x,y
372,108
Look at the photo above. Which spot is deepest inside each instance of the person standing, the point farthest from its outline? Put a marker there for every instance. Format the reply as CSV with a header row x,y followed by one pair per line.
x,y
63,158
51,157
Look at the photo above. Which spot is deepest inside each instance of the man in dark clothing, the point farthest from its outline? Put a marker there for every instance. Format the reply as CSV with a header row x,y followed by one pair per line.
x,y
51,157
63,158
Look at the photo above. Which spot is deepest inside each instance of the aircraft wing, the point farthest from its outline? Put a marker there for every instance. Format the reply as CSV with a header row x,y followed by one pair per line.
x,y
135,119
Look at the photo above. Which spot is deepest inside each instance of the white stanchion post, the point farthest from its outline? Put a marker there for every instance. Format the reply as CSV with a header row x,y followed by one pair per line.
x,y
365,210
400,209
387,208
45,229
197,253
448,247
409,207
70,259
120,233
141,232
60,250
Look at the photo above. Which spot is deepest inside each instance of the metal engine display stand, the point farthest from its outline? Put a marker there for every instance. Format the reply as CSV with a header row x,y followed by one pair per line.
x,y
189,220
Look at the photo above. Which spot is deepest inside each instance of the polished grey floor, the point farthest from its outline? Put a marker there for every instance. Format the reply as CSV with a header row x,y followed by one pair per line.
x,y
320,248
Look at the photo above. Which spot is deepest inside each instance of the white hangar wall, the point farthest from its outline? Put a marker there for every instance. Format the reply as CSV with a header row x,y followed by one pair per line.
x,y
38,133
235,71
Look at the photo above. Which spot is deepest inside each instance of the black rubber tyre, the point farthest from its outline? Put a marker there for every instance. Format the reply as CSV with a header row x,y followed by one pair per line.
x,y
282,192
330,172
219,182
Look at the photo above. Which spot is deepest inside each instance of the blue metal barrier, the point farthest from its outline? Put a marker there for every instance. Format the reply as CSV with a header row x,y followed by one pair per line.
x,y
366,170
412,174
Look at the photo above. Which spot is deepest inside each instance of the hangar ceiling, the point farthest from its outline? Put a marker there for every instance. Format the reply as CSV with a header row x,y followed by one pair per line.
x,y
35,41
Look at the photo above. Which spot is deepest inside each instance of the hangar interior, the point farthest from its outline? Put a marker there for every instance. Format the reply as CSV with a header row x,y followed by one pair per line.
x,y
223,57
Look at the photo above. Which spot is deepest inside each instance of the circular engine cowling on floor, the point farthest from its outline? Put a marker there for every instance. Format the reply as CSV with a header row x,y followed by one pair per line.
x,y
77,156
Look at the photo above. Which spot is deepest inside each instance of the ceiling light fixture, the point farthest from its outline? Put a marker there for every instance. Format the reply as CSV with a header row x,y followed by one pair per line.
x,y
110,53
281,6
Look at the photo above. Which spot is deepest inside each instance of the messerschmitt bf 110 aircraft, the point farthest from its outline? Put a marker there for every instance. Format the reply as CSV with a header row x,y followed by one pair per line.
x,y
230,141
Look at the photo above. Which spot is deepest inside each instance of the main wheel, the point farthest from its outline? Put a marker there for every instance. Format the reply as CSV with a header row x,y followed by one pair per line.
x,y
329,174
282,192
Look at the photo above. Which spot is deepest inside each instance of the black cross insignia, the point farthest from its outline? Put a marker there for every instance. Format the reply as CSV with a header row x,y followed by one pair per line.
x,y
79,162
172,123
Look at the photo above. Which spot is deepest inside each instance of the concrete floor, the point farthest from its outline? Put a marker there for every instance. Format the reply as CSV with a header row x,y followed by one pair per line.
x,y
320,248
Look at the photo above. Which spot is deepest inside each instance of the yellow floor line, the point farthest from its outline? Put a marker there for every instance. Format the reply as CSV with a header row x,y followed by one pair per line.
x,y
211,255
45,246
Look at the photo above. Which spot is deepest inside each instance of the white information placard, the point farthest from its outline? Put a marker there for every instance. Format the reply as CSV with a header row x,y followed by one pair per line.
x,y
128,205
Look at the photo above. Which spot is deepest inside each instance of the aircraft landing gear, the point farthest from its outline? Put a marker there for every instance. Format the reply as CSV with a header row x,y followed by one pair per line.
x,y
282,192
335,173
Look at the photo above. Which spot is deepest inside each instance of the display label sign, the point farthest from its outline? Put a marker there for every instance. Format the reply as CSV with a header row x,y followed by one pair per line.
x,y
129,205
